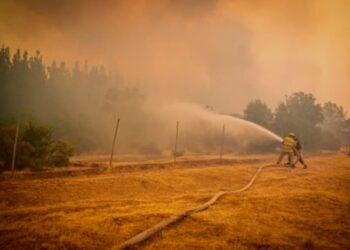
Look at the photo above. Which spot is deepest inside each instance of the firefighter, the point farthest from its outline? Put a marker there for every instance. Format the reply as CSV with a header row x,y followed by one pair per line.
x,y
287,148
298,152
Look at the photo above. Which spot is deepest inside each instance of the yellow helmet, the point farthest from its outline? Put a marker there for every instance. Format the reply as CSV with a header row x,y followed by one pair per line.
x,y
291,134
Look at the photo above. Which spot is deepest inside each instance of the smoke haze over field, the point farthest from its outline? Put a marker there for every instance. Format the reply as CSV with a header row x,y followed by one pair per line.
x,y
223,53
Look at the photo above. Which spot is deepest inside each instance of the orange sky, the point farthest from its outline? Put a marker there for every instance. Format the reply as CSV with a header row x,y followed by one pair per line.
x,y
218,52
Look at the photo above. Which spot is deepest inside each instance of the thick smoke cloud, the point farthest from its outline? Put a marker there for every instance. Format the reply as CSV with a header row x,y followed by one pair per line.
x,y
217,52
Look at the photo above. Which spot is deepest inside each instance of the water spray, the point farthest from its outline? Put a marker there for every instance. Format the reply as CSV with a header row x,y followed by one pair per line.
x,y
255,126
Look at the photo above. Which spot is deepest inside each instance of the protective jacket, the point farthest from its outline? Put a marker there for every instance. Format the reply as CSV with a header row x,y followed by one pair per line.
x,y
288,144
297,145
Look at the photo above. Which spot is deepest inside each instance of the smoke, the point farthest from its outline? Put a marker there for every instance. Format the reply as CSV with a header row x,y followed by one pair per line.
x,y
200,131
217,52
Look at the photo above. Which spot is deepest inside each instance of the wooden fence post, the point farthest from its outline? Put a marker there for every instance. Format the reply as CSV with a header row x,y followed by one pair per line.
x,y
222,141
114,139
15,148
349,144
176,139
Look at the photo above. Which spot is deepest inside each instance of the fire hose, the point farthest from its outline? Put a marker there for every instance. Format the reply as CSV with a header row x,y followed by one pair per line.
x,y
146,234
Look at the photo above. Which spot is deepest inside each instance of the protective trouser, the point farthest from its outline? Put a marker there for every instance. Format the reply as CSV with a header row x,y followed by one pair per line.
x,y
300,157
283,154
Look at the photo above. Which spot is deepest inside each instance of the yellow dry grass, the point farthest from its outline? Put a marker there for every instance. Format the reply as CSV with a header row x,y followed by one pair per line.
x,y
285,209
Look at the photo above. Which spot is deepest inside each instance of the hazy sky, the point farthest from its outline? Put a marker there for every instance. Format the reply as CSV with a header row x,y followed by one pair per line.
x,y
217,52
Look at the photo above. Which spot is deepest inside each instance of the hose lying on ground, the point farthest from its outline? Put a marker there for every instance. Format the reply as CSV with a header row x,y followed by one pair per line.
x,y
175,218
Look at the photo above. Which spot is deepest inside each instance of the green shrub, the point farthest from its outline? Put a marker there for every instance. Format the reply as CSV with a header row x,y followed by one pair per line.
x,y
40,138
36,147
61,152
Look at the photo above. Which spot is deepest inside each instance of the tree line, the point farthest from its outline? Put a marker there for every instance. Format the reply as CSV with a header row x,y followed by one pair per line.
x,y
74,101
60,108
57,104
319,126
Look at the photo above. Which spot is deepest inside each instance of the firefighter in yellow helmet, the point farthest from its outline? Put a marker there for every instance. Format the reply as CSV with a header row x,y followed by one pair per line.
x,y
287,148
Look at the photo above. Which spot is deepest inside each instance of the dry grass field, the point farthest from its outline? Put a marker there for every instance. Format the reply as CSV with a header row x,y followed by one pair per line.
x,y
87,208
